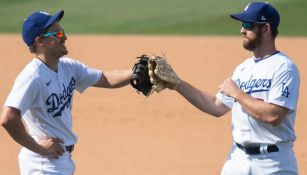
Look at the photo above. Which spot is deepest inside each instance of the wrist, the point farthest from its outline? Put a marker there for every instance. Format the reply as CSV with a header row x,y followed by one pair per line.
x,y
177,86
39,148
238,95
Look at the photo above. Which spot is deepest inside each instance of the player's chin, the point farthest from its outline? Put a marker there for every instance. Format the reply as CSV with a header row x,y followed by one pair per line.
x,y
64,51
249,46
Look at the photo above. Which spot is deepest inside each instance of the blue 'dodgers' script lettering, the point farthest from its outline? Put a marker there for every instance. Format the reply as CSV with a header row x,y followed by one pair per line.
x,y
58,102
254,85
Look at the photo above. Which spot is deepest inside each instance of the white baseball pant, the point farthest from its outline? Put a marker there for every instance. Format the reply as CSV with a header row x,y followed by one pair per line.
x,y
31,163
282,162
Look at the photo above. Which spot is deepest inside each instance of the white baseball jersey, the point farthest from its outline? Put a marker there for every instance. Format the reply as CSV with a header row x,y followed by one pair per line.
x,y
44,97
274,79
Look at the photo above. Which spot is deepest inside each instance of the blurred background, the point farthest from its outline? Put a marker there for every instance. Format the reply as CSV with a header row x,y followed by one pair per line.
x,y
166,17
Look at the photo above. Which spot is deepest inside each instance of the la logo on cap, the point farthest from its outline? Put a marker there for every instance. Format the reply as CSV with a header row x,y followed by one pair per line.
x,y
263,18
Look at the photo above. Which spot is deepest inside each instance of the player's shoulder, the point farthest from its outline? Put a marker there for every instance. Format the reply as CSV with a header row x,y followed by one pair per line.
x,y
31,72
281,60
32,69
246,63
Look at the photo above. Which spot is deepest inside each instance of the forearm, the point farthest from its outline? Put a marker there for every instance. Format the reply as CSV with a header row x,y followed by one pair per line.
x,y
258,109
18,132
115,79
261,110
201,100
11,121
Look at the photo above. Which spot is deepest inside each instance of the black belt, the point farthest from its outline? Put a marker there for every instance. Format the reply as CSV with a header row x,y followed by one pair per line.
x,y
69,148
252,150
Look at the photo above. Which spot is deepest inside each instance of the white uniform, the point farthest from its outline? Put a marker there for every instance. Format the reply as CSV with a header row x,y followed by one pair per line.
x,y
274,79
44,98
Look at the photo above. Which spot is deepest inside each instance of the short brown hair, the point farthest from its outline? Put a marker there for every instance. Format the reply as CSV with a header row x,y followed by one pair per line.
x,y
32,48
274,31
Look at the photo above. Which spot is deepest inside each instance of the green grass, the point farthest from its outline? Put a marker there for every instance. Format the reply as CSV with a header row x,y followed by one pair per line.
x,y
175,17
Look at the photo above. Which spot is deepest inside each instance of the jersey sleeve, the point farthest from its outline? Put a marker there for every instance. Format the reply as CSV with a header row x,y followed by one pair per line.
x,y
23,94
285,88
226,100
86,76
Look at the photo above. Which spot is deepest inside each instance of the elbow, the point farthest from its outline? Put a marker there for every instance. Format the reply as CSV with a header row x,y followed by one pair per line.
x,y
8,117
217,112
276,116
8,124
212,113
217,115
3,122
274,120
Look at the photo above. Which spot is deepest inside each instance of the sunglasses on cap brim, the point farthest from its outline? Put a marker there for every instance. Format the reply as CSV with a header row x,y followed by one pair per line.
x,y
250,25
58,34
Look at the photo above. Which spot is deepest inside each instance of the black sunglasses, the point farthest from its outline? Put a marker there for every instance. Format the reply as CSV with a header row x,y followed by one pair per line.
x,y
247,25
250,25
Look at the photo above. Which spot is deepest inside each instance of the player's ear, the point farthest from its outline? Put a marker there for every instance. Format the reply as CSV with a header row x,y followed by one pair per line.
x,y
39,41
267,27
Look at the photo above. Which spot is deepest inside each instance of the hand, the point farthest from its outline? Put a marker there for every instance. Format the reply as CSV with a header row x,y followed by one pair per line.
x,y
140,79
51,147
229,88
162,75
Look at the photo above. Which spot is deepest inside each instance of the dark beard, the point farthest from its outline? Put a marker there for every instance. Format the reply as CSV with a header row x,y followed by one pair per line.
x,y
251,45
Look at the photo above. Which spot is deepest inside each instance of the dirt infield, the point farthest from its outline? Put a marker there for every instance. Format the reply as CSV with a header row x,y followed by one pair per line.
x,y
123,133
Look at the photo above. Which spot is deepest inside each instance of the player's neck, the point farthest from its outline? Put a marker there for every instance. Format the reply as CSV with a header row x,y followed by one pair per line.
x,y
50,62
264,51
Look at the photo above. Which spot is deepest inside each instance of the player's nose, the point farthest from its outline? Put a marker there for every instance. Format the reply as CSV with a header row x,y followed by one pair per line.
x,y
243,31
64,37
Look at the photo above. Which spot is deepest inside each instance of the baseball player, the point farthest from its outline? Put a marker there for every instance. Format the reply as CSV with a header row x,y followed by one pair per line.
x,y
262,94
42,95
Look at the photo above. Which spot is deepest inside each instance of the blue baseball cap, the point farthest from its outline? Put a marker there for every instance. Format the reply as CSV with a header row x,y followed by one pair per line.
x,y
259,12
36,23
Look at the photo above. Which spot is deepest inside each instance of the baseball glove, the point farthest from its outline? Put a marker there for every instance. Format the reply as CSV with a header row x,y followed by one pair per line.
x,y
140,79
161,74
153,73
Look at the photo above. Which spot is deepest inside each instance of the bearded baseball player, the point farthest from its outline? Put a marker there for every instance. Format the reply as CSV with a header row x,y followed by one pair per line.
x,y
262,94
42,96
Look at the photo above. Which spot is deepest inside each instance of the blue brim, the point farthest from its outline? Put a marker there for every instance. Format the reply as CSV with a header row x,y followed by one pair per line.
x,y
242,17
56,17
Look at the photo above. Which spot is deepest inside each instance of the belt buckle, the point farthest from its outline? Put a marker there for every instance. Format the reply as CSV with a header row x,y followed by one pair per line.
x,y
263,148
